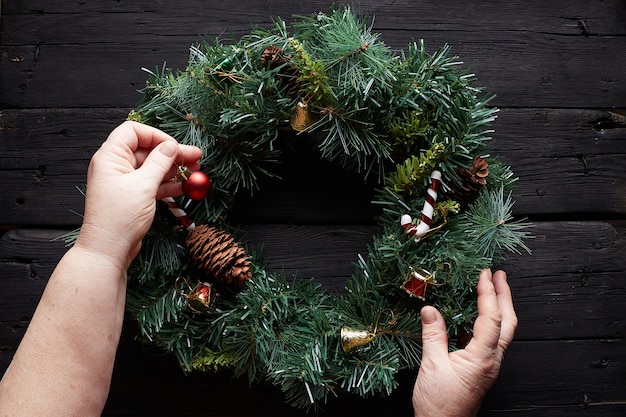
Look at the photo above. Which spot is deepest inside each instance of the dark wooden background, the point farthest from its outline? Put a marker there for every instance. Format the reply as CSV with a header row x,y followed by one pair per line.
x,y
69,72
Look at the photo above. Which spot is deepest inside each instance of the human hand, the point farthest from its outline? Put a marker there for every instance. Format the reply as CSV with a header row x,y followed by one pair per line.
x,y
465,375
131,170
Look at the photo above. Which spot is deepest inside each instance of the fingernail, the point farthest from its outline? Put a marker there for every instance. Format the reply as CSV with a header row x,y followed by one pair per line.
x,y
428,315
169,148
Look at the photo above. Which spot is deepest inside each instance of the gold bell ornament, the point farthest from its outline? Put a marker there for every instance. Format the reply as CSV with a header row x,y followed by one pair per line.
x,y
352,339
301,118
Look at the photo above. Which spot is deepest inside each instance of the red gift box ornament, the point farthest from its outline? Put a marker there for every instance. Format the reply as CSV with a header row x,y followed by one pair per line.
x,y
200,298
418,282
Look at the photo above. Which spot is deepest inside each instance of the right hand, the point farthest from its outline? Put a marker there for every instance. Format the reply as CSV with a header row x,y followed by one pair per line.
x,y
453,384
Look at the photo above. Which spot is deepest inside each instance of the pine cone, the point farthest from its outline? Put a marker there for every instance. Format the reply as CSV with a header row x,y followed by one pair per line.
x,y
472,182
274,57
219,255
480,170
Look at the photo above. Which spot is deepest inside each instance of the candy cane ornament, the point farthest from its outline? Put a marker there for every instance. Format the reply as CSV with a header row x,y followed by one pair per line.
x,y
424,225
179,213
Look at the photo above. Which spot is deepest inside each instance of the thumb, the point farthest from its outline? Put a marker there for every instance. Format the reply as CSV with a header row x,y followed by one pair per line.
x,y
159,161
434,336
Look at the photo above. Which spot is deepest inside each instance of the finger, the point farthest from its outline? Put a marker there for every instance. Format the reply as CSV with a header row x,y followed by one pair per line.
x,y
158,165
173,175
486,333
169,189
149,137
136,135
434,336
127,146
188,156
505,303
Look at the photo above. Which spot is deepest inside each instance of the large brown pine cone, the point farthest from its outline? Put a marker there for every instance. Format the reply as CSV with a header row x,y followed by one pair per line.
x,y
219,255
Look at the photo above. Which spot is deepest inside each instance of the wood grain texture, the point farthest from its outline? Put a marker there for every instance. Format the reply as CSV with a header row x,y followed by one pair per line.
x,y
588,74
526,53
565,331
69,71
556,153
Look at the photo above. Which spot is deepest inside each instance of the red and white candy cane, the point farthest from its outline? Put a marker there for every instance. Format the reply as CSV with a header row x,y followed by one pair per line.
x,y
424,225
179,213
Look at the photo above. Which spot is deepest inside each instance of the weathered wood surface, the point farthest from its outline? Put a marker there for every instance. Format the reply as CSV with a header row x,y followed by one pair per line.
x,y
562,156
68,75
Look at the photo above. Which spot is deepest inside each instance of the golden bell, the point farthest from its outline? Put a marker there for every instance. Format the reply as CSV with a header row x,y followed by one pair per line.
x,y
301,118
352,339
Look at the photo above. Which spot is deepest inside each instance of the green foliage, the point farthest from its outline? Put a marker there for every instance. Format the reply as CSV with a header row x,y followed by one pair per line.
x,y
372,110
210,360
490,228
409,131
412,174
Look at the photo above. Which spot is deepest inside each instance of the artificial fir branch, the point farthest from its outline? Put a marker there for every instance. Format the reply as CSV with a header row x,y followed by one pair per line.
x,y
489,226
411,175
210,360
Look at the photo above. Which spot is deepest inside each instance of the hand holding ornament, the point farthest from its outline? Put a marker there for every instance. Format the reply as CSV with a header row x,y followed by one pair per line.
x,y
126,176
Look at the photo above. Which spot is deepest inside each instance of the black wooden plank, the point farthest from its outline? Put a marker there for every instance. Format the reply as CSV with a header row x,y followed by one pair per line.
x,y
576,373
568,161
582,151
571,287
538,379
558,288
68,137
559,132
61,60
537,71
611,409
43,159
565,17
151,385
27,258
325,253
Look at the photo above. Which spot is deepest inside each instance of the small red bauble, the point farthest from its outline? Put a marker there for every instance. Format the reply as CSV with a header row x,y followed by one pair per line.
x,y
197,185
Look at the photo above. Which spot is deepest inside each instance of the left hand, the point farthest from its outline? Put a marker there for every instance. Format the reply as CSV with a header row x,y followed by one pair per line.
x,y
129,172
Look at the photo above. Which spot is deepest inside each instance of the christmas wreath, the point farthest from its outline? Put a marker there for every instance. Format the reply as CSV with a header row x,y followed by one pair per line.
x,y
411,120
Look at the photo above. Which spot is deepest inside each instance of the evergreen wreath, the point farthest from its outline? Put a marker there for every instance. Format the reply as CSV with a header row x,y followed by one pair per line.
x,y
410,119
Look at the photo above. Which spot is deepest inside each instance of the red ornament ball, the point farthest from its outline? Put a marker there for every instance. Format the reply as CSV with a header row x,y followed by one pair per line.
x,y
197,185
